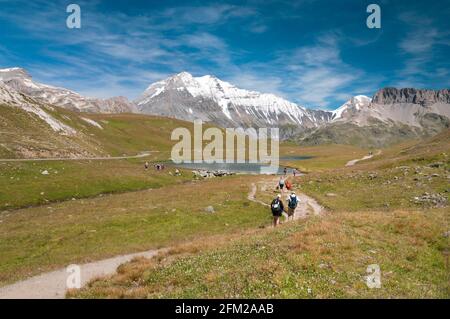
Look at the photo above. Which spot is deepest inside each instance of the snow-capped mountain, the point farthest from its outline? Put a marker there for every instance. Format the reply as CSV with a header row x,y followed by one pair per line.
x,y
395,106
391,116
353,105
19,80
208,98
404,113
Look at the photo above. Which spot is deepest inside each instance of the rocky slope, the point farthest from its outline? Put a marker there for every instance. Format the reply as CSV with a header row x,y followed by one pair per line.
x,y
391,116
412,96
19,80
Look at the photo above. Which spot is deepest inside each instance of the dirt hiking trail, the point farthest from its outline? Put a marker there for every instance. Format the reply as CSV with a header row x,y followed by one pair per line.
x,y
307,206
353,162
52,285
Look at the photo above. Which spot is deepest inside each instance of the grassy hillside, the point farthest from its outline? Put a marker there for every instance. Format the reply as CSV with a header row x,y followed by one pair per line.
x,y
320,157
35,183
315,258
376,134
39,239
391,211
24,135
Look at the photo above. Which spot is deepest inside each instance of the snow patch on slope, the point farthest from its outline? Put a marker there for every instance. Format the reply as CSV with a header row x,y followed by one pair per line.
x,y
56,125
15,99
92,122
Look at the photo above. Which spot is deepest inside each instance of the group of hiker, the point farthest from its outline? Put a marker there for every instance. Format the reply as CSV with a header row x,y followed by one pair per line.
x,y
294,171
157,166
277,205
278,208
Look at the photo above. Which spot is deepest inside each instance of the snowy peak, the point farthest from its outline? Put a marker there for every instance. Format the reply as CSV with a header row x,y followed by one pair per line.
x,y
13,73
221,102
350,107
393,106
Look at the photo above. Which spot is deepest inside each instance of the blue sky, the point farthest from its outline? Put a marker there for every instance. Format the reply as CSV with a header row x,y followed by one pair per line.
x,y
315,53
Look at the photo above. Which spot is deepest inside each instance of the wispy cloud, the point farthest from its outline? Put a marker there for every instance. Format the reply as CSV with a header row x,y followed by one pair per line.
x,y
209,14
123,48
419,48
317,72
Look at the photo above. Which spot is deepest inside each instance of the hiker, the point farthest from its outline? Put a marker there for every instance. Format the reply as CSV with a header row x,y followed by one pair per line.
x,y
288,185
294,172
285,171
277,210
146,165
281,184
292,205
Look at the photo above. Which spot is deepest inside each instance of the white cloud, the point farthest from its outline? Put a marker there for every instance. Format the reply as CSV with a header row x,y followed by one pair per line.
x,y
418,48
317,74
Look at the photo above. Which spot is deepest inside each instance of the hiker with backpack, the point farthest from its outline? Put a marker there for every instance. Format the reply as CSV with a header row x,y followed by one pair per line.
x,y
277,209
281,184
292,205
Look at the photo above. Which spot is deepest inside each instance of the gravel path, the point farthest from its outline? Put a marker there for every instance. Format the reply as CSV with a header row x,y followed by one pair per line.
x,y
353,162
306,205
52,285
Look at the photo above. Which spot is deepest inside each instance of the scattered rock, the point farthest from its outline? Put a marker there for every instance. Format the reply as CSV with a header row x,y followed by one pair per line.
x,y
209,174
209,209
44,172
330,195
436,165
436,200
446,234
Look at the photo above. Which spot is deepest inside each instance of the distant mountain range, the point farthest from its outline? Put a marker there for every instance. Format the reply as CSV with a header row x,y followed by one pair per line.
x,y
390,116
19,80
